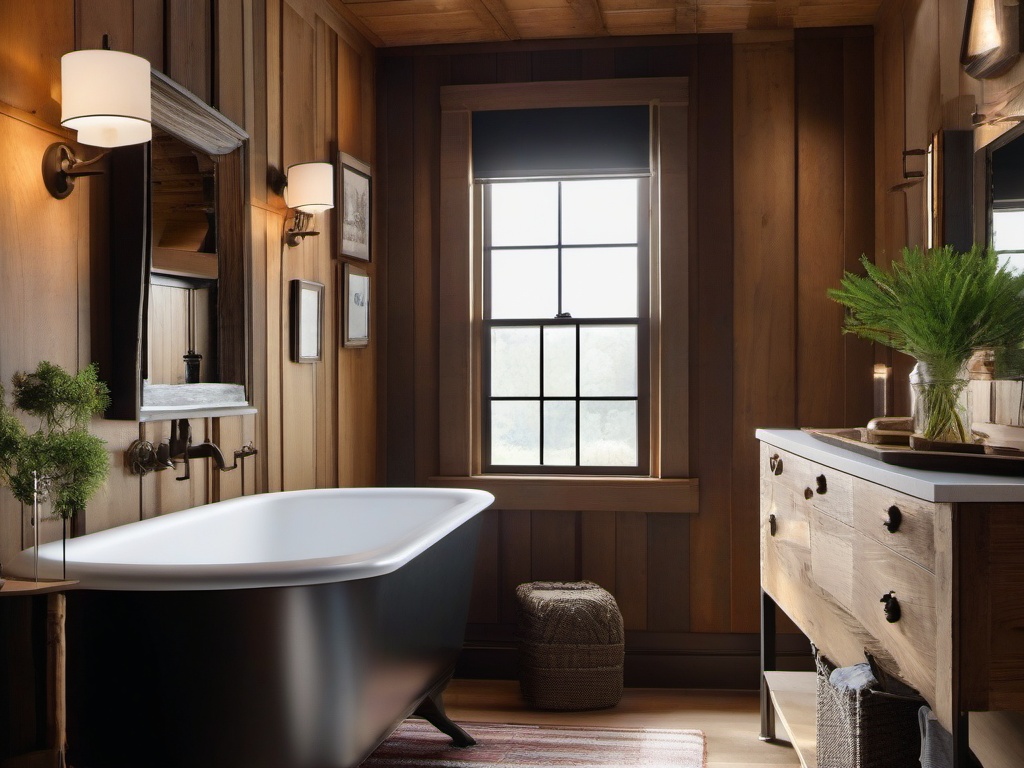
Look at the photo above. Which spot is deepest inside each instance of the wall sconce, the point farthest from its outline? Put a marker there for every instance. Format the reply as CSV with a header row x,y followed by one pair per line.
x,y
105,96
309,189
991,42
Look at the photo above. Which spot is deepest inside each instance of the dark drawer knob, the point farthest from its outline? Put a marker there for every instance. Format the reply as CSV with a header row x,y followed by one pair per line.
x,y
773,525
822,484
894,519
892,607
775,464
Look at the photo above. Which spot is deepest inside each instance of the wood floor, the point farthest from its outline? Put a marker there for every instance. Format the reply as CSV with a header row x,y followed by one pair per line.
x,y
729,718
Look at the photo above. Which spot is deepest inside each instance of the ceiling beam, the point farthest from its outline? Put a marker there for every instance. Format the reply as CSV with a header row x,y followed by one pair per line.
x,y
588,15
501,15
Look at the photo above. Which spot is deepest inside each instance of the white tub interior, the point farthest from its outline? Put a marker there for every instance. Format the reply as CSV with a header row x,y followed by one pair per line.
x,y
274,539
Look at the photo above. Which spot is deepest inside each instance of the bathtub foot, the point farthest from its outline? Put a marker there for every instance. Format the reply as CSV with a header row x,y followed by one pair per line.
x,y
431,709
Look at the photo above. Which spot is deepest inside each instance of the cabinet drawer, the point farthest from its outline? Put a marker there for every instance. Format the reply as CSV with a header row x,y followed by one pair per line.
x,y
785,529
899,522
832,564
911,638
820,488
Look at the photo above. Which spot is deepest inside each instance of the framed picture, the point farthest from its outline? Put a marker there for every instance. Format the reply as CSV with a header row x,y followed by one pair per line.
x,y
355,302
354,193
307,321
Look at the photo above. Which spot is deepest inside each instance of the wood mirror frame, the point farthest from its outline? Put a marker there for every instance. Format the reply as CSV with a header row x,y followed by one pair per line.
x,y
183,115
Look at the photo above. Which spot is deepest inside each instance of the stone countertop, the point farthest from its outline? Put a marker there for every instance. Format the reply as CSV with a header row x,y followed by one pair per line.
x,y
924,484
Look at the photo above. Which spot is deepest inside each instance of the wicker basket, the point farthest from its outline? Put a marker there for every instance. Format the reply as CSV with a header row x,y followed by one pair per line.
x,y
571,645
866,727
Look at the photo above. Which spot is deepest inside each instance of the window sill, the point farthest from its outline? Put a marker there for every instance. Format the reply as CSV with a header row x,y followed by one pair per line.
x,y
579,493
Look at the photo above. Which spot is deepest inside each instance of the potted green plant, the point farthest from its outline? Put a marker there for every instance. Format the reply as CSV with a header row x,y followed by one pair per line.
x,y
60,460
937,306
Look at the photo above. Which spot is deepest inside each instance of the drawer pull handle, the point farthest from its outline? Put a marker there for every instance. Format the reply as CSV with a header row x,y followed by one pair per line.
x,y
775,464
808,494
773,525
892,607
895,519
822,484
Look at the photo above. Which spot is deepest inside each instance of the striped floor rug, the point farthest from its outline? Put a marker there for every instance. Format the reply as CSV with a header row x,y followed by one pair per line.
x,y
419,745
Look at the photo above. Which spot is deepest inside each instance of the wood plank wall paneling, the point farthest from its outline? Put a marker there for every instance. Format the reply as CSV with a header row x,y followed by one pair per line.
x,y
397,96
676,577
229,76
188,45
149,20
858,211
711,337
229,52
764,289
25,80
54,274
820,248
426,274
114,19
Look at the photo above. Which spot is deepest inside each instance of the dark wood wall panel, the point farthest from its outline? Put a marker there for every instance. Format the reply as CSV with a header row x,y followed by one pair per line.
x,y
114,19
820,243
676,577
397,97
486,600
668,573
597,549
426,267
188,51
148,20
858,209
516,566
553,546
711,238
764,290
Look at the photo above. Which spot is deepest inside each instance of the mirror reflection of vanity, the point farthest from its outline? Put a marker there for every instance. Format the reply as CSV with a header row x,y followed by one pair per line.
x,y
178,265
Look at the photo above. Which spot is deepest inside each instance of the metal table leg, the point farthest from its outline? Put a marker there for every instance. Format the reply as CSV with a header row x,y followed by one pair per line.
x,y
768,664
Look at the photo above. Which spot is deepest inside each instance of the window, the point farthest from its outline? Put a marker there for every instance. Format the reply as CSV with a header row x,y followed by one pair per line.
x,y
660,478
565,326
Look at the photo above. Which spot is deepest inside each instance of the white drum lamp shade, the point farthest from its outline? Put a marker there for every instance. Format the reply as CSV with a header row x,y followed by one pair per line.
x,y
105,96
310,187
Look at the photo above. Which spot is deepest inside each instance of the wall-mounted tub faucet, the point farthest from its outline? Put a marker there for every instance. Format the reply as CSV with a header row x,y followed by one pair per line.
x,y
141,456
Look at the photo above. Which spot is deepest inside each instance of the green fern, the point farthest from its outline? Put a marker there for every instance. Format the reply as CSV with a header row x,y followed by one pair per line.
x,y
936,306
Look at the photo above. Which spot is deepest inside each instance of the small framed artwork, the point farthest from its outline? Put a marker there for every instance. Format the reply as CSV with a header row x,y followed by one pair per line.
x,y
355,302
307,321
354,193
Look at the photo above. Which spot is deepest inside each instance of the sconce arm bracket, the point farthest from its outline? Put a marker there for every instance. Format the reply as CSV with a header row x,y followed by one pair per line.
x,y
300,228
61,167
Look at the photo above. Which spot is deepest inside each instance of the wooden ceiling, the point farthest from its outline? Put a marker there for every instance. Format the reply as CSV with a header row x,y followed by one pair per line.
x,y
425,22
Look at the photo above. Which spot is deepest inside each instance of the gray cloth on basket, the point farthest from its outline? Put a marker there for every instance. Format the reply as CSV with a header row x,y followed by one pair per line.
x,y
853,678
936,741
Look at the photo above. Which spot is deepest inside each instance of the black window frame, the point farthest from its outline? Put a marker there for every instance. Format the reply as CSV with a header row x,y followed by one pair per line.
x,y
641,322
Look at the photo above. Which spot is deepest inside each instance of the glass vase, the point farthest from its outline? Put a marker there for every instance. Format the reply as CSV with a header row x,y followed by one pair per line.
x,y
941,405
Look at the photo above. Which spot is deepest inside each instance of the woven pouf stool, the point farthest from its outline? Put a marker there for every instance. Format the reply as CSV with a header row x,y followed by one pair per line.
x,y
570,645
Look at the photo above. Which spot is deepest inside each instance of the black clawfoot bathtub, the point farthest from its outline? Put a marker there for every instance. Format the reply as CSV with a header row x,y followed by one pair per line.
x,y
326,618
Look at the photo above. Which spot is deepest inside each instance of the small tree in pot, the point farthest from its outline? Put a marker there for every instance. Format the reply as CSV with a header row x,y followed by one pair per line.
x,y
61,459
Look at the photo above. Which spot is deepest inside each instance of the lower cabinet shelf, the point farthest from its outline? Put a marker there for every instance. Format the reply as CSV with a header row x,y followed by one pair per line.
x,y
794,697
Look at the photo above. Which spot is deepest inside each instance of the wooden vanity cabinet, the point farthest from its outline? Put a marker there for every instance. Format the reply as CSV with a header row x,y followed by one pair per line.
x,y
922,570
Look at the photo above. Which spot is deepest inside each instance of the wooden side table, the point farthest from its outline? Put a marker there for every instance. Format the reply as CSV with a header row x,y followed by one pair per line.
x,y
56,721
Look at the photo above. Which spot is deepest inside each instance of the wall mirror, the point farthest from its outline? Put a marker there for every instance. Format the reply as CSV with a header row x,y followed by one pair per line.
x,y
1004,225
179,264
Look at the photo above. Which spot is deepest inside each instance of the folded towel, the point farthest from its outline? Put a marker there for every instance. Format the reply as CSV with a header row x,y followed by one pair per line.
x,y
936,741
